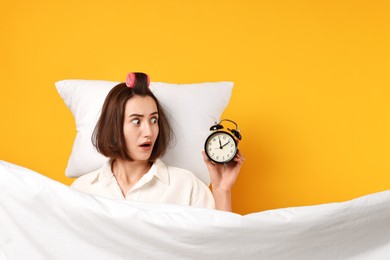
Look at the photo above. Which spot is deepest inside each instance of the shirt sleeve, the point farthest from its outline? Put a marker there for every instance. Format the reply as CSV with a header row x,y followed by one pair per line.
x,y
77,184
202,196
84,182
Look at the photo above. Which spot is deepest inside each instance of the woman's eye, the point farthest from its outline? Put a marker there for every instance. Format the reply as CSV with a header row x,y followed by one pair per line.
x,y
135,121
154,120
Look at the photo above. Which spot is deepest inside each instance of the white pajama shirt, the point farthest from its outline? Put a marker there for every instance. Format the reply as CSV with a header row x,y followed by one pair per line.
x,y
162,184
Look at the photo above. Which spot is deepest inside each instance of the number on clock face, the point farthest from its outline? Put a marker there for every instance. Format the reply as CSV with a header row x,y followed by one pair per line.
x,y
220,147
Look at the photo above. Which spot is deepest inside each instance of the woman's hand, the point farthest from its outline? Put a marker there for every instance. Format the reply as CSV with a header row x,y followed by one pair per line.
x,y
223,177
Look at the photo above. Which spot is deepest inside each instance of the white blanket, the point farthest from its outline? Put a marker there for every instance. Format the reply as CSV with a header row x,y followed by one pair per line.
x,y
43,219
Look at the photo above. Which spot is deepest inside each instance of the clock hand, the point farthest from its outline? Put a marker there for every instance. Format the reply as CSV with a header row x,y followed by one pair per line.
x,y
220,145
225,144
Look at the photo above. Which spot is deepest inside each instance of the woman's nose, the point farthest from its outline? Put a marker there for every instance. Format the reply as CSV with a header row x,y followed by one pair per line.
x,y
147,129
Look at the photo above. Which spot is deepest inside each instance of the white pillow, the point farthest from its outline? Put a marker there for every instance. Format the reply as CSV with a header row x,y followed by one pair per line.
x,y
191,109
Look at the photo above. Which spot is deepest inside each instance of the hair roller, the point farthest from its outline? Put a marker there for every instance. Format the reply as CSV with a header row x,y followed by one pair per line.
x,y
130,80
148,80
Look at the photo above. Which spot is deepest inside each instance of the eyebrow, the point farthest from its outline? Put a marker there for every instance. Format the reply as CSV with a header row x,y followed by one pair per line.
x,y
138,115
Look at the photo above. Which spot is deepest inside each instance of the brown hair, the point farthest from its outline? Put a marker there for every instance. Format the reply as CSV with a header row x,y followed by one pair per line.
x,y
108,137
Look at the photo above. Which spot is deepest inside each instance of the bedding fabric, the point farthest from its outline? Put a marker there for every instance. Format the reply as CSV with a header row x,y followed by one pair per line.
x,y
43,219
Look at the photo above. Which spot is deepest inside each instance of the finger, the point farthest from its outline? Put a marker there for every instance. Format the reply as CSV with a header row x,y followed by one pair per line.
x,y
239,159
239,152
206,159
239,155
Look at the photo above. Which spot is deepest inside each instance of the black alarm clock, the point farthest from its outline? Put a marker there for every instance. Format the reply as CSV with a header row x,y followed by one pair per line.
x,y
221,145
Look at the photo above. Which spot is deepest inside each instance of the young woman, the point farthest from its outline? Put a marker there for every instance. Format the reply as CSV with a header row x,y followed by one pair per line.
x,y
133,131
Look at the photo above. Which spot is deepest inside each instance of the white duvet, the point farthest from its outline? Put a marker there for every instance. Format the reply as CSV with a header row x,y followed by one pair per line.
x,y
43,219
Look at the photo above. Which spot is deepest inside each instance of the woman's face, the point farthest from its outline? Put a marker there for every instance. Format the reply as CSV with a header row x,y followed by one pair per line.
x,y
140,127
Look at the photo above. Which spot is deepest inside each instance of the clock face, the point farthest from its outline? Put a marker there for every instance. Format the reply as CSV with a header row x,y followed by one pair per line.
x,y
220,147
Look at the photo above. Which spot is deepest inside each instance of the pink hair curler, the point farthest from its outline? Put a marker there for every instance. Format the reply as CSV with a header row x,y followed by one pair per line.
x,y
148,80
130,80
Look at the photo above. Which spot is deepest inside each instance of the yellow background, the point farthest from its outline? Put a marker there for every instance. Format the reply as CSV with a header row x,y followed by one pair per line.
x,y
311,93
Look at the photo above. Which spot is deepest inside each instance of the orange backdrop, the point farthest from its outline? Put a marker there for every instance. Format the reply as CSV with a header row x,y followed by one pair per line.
x,y
311,91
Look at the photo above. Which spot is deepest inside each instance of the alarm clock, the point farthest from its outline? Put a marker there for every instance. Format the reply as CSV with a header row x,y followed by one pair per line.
x,y
221,145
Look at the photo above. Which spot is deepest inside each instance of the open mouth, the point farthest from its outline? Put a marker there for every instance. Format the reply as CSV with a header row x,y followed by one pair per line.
x,y
146,145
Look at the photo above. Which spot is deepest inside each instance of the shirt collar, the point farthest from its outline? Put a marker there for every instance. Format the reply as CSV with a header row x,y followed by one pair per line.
x,y
106,174
158,169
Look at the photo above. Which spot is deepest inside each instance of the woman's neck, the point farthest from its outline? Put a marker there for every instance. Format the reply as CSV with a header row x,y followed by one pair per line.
x,y
128,173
